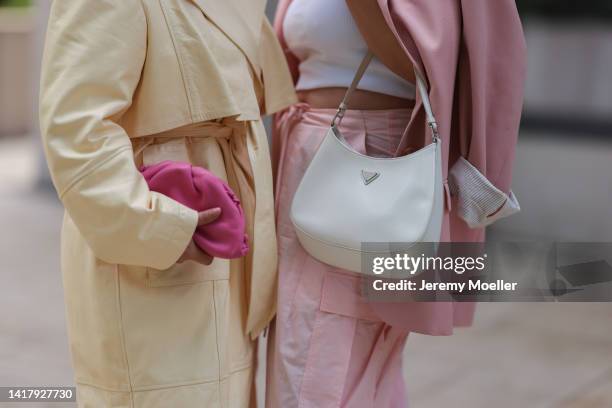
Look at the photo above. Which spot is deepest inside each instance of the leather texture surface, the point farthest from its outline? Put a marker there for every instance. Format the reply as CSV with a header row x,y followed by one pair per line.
x,y
334,210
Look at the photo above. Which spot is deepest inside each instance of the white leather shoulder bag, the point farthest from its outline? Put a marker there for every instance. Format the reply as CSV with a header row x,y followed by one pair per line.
x,y
346,198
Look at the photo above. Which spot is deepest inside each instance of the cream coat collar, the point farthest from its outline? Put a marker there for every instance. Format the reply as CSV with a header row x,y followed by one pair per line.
x,y
241,21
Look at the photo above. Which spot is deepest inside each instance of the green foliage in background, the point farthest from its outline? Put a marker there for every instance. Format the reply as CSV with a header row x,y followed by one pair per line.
x,y
566,10
15,3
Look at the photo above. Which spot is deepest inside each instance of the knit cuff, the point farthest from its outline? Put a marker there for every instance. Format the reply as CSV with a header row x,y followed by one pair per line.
x,y
479,202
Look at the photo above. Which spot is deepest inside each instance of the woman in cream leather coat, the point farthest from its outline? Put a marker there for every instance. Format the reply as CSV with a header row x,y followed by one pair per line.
x,y
126,83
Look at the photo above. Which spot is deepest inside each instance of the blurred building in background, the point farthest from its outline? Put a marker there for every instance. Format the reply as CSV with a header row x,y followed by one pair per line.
x,y
563,168
569,81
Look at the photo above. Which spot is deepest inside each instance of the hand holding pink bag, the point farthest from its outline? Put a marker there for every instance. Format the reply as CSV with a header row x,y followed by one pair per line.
x,y
199,189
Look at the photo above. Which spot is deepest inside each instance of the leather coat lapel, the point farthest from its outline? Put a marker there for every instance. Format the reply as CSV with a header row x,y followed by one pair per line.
x,y
241,21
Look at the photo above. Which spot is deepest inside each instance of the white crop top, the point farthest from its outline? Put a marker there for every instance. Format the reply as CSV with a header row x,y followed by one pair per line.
x,y
324,37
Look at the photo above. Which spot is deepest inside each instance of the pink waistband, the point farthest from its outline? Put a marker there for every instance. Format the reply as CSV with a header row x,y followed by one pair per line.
x,y
383,122
354,119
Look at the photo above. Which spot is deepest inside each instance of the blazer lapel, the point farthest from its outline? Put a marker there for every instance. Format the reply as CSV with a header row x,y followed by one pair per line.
x,y
241,21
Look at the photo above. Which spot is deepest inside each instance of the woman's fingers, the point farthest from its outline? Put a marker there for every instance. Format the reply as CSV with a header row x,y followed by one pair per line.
x,y
208,216
202,257
194,253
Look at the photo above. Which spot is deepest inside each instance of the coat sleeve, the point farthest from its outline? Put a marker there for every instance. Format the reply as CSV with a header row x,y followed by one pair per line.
x,y
491,72
93,57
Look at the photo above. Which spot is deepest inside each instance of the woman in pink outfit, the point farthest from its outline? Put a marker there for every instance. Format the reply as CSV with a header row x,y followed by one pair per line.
x,y
329,346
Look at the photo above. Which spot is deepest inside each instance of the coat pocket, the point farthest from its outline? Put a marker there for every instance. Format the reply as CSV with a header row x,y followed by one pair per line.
x,y
169,332
188,273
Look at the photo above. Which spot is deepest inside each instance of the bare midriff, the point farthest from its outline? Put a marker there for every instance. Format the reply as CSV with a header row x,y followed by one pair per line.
x,y
360,99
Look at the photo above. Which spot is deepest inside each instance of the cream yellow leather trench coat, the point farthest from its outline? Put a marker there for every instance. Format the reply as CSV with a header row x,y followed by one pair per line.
x,y
130,82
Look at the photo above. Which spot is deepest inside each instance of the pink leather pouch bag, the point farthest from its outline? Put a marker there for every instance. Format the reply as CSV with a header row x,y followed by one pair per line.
x,y
199,189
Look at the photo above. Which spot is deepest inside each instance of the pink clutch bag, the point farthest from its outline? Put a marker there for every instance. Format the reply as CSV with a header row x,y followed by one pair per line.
x,y
199,189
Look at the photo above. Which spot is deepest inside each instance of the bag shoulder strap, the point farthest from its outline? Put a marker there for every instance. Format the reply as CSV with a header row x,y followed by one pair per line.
x,y
421,87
